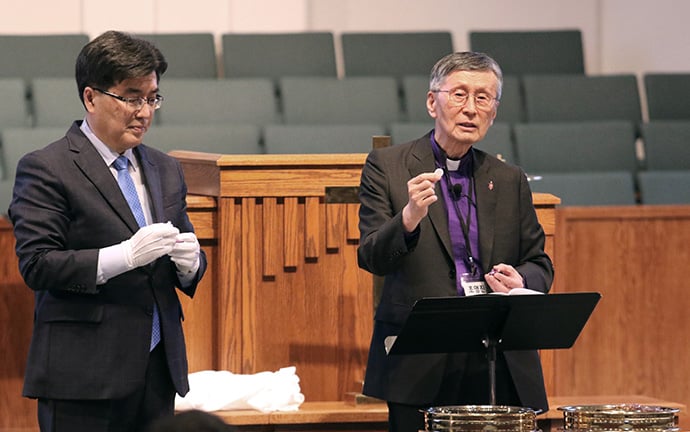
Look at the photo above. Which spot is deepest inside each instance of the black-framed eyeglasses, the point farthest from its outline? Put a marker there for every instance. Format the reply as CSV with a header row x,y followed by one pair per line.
x,y
136,103
459,97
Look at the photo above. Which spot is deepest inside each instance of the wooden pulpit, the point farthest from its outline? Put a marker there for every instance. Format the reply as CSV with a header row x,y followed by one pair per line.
x,y
283,287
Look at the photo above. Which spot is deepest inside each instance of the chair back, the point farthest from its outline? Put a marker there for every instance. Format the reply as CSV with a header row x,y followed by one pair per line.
x,y
532,52
30,56
356,100
393,54
219,102
298,139
189,55
278,55
557,98
663,101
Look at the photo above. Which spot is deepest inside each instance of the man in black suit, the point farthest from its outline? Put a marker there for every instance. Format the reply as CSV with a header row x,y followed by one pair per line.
x,y
440,218
104,260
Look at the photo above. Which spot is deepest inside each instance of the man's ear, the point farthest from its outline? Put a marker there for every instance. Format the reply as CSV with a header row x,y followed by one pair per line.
x,y
88,96
431,104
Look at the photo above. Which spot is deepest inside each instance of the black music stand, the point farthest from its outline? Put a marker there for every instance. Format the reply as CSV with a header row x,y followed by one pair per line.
x,y
493,322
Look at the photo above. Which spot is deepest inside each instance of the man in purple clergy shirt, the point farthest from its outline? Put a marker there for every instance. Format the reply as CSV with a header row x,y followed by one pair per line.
x,y
438,218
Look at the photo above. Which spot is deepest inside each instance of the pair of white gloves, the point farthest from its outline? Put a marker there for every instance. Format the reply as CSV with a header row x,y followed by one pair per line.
x,y
153,241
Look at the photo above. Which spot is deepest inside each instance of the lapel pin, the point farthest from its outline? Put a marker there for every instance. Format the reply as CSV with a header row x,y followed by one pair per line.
x,y
491,185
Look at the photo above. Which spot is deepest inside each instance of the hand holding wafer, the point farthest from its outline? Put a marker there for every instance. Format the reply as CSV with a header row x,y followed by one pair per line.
x,y
421,193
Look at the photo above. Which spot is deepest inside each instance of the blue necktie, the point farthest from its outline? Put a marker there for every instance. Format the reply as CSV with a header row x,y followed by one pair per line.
x,y
126,183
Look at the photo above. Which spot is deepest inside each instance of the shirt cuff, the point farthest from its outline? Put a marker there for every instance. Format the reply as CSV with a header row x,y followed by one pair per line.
x,y
112,261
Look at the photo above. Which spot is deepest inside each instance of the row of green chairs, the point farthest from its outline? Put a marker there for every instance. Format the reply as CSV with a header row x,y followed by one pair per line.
x,y
355,100
613,188
273,55
537,147
256,55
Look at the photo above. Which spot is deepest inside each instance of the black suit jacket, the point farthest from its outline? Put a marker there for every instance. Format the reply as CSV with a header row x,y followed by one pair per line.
x,y
509,232
92,341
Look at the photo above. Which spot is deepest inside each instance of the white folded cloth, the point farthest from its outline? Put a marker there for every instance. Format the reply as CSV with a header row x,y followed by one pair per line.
x,y
223,390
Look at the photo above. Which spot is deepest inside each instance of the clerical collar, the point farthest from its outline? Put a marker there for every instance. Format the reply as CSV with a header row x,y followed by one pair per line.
x,y
453,164
443,159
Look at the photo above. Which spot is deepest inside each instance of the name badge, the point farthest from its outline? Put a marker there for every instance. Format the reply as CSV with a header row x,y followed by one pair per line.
x,y
473,285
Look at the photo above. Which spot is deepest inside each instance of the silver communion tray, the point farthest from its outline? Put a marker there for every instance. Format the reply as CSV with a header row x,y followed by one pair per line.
x,y
461,418
621,417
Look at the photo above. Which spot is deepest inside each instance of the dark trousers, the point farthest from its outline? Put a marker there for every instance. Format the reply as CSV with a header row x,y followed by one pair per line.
x,y
131,414
468,388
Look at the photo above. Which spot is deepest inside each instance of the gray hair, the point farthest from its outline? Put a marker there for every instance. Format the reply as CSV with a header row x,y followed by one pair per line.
x,y
464,61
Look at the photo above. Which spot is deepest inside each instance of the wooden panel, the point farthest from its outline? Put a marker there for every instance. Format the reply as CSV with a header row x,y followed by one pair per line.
x,y
312,216
335,220
203,213
16,312
229,286
635,341
269,175
293,233
353,222
201,171
199,323
314,315
271,233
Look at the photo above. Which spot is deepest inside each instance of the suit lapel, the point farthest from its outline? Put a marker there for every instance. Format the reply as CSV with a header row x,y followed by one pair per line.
x,y
91,164
152,181
486,207
422,160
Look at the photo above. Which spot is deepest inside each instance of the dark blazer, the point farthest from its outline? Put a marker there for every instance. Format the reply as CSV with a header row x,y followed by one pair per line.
x,y
509,232
92,341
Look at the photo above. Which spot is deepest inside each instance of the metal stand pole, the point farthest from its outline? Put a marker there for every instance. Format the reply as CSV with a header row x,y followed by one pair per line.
x,y
491,357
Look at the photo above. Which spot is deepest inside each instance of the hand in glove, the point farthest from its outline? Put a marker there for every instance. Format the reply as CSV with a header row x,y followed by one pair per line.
x,y
185,253
149,243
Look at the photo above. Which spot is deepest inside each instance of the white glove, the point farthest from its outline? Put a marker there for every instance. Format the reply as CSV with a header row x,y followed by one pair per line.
x,y
149,243
185,253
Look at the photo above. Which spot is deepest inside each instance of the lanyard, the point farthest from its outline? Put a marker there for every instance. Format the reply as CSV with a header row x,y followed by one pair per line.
x,y
464,221
455,196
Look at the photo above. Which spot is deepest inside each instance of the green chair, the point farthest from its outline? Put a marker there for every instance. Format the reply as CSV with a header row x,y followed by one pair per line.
x,y
666,144
30,56
219,102
223,139
402,132
6,187
576,146
663,101
16,142
664,187
297,139
603,188
532,52
55,102
499,142
556,98
414,93
355,100
189,55
275,55
395,54
14,111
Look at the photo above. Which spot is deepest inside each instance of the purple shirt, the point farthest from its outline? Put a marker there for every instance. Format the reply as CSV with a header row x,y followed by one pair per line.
x,y
462,206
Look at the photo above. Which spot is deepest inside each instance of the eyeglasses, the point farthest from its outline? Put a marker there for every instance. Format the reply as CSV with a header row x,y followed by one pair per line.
x,y
458,98
136,103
